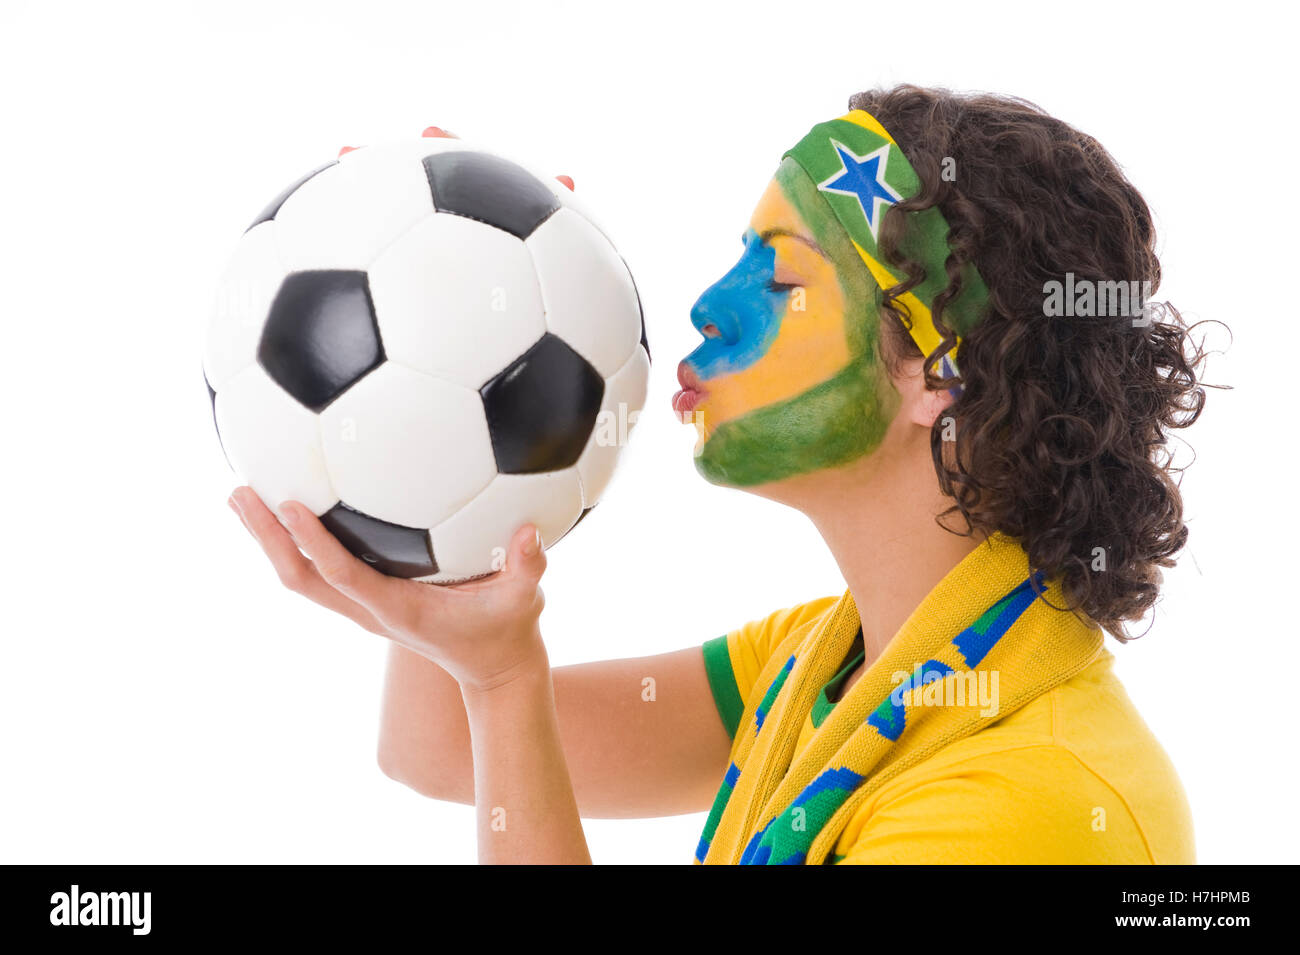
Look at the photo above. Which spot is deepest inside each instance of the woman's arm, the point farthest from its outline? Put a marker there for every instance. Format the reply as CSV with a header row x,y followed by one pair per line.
x,y
641,735
525,807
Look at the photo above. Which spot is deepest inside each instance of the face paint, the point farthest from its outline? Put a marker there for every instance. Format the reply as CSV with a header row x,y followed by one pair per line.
x,y
789,379
745,306
793,382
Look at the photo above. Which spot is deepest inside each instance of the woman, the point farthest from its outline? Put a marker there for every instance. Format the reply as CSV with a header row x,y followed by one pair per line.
x,y
892,356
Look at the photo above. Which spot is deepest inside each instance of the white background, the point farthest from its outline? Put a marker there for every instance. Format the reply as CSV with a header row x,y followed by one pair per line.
x,y
163,700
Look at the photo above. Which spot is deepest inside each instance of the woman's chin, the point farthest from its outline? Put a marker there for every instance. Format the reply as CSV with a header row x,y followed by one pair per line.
x,y
701,434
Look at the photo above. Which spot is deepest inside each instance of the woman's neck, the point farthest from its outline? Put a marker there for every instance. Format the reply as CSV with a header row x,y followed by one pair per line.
x,y
877,516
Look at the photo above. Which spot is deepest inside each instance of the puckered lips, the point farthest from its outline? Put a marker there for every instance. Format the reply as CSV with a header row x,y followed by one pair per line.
x,y
692,391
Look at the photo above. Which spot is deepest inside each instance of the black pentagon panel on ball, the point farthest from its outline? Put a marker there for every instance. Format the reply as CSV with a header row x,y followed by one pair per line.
x,y
274,205
490,189
321,335
640,311
212,399
541,409
390,548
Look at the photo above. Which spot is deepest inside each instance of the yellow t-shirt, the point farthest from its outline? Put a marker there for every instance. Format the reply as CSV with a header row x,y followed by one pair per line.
x,y
1074,776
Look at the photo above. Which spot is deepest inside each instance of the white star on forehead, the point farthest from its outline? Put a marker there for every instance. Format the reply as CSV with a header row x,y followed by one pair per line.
x,y
863,177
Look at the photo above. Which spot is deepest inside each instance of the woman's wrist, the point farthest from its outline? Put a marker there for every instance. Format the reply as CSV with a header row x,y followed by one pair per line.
x,y
526,668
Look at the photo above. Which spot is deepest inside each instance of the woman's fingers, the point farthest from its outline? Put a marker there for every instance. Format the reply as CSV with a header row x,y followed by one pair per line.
x,y
334,562
431,132
295,571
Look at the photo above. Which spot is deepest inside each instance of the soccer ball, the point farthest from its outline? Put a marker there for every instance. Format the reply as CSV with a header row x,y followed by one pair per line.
x,y
428,345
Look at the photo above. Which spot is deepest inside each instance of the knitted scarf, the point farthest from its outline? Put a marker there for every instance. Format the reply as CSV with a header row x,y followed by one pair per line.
x,y
988,619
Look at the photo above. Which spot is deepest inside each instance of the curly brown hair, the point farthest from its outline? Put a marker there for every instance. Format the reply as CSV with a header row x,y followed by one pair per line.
x,y
1062,422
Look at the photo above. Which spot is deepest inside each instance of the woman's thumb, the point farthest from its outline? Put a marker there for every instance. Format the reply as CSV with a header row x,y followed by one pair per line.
x,y
527,555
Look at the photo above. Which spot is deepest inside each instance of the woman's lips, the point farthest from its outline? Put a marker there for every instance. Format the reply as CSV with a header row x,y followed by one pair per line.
x,y
684,401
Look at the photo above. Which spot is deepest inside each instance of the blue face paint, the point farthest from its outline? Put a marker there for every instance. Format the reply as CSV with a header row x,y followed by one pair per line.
x,y
744,308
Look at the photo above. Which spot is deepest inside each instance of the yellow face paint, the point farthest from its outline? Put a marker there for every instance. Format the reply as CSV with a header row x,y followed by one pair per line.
x,y
810,344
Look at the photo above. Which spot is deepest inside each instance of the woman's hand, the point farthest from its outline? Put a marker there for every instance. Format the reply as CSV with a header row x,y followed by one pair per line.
x,y
483,632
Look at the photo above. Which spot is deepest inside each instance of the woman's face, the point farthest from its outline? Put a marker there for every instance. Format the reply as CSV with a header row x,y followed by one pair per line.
x,y
789,377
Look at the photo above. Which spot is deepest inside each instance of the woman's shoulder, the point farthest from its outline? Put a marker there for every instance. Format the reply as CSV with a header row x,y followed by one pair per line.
x,y
1074,775
786,620
757,639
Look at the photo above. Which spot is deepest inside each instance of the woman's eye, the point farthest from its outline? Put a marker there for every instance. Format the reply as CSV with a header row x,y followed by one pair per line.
x,y
782,286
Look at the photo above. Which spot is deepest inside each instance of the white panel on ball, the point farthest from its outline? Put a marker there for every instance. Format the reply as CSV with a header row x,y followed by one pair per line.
x,y
348,213
466,544
457,299
273,442
407,448
625,393
571,200
588,293
244,295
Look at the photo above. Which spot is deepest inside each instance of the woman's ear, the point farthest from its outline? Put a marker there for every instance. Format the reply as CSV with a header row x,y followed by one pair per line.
x,y
921,405
905,366
935,403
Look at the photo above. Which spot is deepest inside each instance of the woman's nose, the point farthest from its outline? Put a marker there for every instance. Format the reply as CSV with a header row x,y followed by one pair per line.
x,y
714,314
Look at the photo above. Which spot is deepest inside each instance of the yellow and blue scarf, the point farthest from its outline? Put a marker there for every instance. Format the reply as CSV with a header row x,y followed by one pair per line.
x,y
989,614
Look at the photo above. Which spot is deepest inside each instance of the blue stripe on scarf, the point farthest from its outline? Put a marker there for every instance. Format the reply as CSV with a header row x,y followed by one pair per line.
x,y
701,849
754,854
890,717
769,697
841,777
733,774
715,814
974,646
